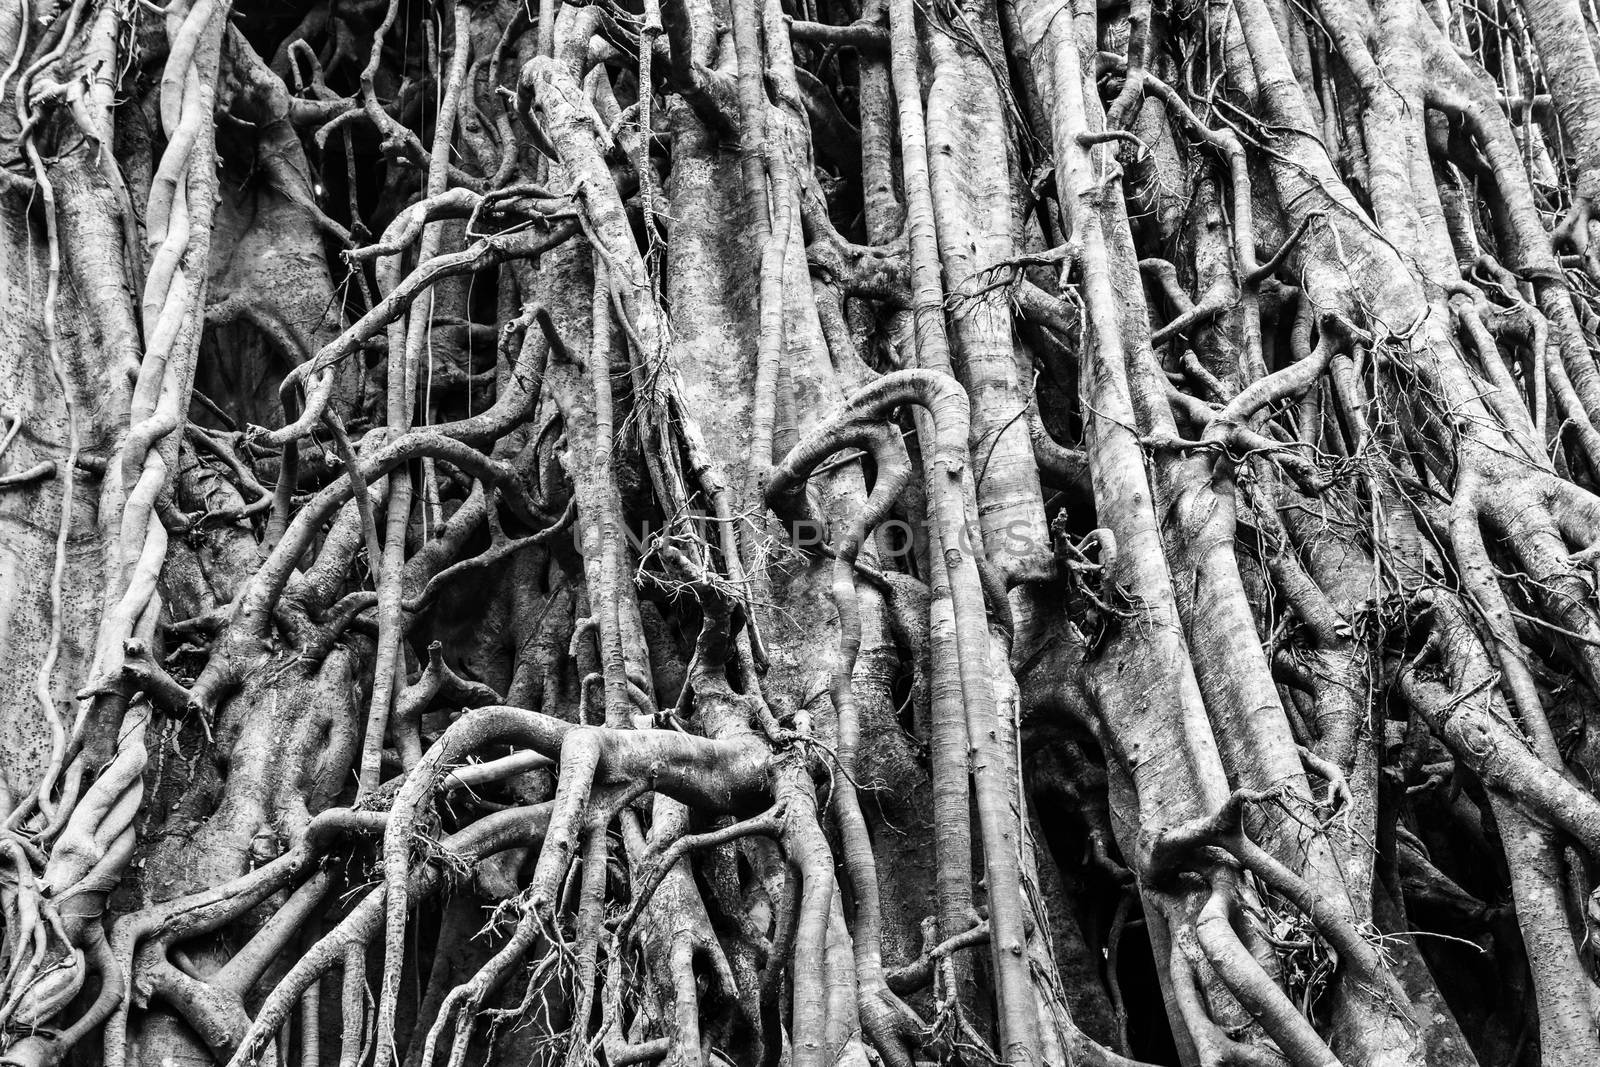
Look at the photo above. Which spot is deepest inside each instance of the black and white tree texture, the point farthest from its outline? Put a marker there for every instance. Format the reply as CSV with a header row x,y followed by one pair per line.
x,y
799,532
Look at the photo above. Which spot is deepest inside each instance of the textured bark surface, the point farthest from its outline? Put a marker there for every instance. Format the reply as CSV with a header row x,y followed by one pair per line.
x,y
799,532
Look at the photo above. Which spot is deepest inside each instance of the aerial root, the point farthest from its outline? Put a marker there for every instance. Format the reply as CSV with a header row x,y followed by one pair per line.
x,y
345,943
769,823
1186,847
583,806
1250,984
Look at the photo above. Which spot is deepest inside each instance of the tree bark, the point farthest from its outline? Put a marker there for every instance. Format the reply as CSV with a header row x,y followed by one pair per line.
x,y
799,532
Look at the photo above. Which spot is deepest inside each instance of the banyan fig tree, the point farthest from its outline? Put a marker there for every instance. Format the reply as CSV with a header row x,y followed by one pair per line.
x,y
799,532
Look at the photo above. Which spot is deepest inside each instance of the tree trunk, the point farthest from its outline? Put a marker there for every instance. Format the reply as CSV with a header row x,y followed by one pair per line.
x,y
799,533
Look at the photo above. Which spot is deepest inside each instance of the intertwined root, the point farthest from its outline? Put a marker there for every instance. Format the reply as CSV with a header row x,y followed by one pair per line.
x,y
1323,418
